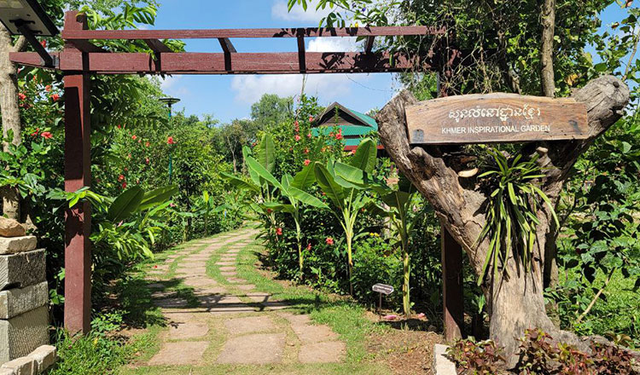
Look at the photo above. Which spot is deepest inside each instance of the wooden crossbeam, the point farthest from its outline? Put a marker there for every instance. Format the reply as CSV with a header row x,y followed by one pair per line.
x,y
369,44
302,62
215,63
86,46
157,46
252,33
226,45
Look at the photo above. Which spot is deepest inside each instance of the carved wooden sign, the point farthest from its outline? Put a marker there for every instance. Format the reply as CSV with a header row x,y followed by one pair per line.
x,y
495,118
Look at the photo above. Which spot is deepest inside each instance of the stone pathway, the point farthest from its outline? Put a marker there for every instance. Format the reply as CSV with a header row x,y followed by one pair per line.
x,y
218,318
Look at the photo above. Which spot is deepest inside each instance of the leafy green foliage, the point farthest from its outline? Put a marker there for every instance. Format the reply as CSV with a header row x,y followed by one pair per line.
x,y
511,221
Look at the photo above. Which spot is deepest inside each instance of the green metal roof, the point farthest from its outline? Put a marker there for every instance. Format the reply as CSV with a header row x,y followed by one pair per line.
x,y
357,124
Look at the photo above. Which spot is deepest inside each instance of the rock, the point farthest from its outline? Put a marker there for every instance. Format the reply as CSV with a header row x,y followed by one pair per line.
x,y
44,357
14,302
22,269
6,371
22,366
11,228
14,245
21,335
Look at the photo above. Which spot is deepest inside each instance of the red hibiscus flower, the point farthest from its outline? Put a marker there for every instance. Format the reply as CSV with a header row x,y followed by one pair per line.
x,y
309,247
47,135
329,241
307,162
306,150
147,144
310,118
339,134
44,43
134,137
35,133
353,152
124,185
279,231
121,177
297,137
309,136
55,97
170,141
146,160
47,88
22,96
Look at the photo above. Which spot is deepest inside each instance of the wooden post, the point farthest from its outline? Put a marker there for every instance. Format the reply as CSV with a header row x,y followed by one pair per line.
x,y
77,174
452,288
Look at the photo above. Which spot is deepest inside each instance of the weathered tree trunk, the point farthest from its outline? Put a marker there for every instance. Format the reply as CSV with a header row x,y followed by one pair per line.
x,y
10,110
517,302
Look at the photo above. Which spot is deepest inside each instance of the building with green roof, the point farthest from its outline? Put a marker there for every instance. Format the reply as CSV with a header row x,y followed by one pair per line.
x,y
354,125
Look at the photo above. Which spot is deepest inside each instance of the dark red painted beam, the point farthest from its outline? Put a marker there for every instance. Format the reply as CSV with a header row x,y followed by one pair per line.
x,y
215,63
157,46
252,33
226,45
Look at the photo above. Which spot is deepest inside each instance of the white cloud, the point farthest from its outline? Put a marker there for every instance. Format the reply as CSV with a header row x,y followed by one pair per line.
x,y
280,11
173,85
333,44
249,89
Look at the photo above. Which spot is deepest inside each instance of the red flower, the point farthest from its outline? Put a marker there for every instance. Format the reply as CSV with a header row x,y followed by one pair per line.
x,y
35,133
124,185
21,96
306,150
297,137
126,169
134,137
170,141
309,135
47,135
121,177
47,88
147,144
279,231
44,43
269,211
146,160
310,118
339,134
296,126
155,266
119,126
55,97
329,241
307,162
309,247
353,152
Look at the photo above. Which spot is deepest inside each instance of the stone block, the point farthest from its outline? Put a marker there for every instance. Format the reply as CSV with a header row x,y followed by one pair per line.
x,y
14,245
22,269
11,228
441,364
44,357
21,335
22,366
14,302
6,371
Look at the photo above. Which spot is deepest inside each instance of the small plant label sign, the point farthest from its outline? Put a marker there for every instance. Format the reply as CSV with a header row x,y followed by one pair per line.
x,y
383,289
494,118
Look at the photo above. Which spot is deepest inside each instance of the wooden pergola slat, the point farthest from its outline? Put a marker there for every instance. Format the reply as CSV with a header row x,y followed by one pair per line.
x,y
310,32
157,46
227,46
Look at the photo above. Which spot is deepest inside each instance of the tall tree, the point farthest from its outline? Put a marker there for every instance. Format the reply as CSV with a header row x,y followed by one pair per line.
x,y
516,302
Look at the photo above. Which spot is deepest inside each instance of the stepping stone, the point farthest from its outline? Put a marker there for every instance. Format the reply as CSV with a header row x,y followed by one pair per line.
x,y
322,352
155,286
276,305
187,331
180,353
234,251
163,294
230,304
253,349
175,318
297,320
229,273
225,263
311,334
170,303
246,287
253,324
227,268
197,282
236,280
258,297
204,292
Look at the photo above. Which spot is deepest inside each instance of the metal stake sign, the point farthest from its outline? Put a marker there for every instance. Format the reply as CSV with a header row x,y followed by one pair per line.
x,y
382,289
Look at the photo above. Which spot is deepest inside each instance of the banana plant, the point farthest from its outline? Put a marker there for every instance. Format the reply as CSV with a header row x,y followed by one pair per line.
x,y
293,190
398,202
347,186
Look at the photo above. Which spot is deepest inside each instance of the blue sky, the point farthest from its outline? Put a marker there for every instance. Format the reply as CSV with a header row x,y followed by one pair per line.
x,y
230,97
